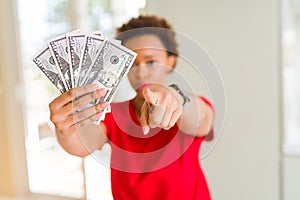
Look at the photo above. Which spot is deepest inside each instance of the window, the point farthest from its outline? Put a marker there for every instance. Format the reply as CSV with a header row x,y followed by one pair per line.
x,y
51,170
291,72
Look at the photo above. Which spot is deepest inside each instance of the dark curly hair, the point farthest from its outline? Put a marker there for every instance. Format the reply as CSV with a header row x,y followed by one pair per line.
x,y
149,25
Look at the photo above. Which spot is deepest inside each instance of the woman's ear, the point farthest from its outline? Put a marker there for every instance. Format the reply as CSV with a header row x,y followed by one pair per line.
x,y
171,62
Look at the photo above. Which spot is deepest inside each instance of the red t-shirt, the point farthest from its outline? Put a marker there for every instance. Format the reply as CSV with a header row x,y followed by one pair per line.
x,y
161,165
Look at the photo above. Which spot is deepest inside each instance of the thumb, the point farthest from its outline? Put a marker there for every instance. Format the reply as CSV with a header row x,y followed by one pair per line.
x,y
145,118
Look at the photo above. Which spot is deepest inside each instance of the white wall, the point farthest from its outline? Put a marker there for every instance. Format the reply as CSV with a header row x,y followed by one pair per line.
x,y
291,178
243,38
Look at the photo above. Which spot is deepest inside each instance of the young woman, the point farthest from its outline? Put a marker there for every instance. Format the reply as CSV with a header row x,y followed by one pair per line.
x,y
156,136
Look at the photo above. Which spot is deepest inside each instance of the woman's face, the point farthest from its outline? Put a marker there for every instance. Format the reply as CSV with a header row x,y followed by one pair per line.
x,y
152,63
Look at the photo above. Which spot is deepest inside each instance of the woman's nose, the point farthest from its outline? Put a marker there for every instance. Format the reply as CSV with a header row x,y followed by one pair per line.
x,y
141,72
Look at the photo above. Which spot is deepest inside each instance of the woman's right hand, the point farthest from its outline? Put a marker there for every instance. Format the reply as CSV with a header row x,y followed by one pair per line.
x,y
71,110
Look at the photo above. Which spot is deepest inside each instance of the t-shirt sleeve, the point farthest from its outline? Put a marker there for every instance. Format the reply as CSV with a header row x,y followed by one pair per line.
x,y
210,135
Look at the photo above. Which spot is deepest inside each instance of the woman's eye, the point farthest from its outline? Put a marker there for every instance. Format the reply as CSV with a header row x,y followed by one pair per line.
x,y
152,63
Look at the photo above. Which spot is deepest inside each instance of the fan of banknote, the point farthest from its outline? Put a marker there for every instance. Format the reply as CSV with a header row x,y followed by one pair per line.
x,y
76,58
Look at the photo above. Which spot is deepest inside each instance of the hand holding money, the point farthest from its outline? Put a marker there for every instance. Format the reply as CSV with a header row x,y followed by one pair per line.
x,y
76,59
67,113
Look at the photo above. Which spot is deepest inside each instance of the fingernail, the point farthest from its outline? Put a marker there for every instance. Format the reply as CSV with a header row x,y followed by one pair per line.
x,y
102,90
104,104
95,86
145,130
101,106
97,116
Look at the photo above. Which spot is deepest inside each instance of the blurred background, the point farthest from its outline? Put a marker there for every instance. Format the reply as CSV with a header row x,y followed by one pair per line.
x,y
255,45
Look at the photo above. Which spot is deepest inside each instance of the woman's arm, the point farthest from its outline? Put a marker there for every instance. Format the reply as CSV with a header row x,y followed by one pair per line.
x,y
196,117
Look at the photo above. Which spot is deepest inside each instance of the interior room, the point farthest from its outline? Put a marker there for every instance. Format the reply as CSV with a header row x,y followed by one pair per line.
x,y
252,49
